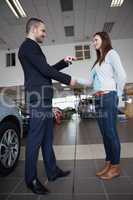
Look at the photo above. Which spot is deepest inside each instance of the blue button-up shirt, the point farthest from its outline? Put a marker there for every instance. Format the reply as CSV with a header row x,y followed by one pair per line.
x,y
109,76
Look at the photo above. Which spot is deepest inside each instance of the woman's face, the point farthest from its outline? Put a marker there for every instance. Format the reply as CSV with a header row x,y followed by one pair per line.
x,y
97,42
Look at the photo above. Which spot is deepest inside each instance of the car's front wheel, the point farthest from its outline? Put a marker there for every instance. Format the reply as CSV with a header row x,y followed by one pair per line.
x,y
9,147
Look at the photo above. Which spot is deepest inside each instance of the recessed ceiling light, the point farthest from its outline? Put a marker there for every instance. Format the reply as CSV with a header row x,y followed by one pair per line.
x,y
116,3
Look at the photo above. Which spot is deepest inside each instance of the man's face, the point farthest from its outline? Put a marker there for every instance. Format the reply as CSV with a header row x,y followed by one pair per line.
x,y
39,32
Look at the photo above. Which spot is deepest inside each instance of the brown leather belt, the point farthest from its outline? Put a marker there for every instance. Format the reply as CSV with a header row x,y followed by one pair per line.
x,y
101,93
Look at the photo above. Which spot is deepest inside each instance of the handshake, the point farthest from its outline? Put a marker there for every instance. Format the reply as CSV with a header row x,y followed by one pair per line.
x,y
73,83
76,81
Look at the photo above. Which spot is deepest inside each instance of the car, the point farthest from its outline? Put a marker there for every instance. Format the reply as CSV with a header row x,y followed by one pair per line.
x,y
10,134
58,115
86,108
62,114
25,116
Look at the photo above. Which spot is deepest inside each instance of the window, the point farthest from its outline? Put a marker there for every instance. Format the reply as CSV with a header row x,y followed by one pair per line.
x,y
82,52
10,59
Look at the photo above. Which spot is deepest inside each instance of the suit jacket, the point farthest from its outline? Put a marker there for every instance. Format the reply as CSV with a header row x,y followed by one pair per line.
x,y
37,72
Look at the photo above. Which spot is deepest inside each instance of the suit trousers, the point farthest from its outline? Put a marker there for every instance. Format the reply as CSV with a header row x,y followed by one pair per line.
x,y
40,135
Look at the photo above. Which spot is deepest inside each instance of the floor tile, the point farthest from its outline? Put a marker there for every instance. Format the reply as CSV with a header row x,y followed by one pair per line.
x,y
22,188
87,186
57,197
23,197
120,185
131,179
121,197
125,161
63,164
61,186
128,168
3,197
85,163
85,169
85,172
7,185
90,197
17,173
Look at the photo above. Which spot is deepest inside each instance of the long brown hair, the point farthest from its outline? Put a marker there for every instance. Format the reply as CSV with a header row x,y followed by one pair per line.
x,y
105,47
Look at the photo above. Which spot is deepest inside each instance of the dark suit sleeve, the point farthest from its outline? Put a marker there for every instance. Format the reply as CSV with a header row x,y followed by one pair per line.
x,y
38,60
60,65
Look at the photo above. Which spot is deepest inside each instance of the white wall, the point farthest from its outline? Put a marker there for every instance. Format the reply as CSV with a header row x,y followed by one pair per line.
x,y
10,76
125,50
79,68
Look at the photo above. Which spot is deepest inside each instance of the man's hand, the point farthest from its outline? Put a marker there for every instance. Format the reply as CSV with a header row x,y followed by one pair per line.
x,y
73,83
69,59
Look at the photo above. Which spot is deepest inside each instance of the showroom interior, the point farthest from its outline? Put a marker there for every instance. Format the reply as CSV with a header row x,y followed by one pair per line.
x,y
70,26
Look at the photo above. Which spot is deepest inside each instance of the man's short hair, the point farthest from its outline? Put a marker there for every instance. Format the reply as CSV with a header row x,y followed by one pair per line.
x,y
31,22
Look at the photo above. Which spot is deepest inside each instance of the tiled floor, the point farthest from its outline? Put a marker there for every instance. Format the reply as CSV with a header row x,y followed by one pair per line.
x,y
86,131
82,184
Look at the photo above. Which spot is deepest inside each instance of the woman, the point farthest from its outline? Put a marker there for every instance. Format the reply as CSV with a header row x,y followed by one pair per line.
x,y
108,79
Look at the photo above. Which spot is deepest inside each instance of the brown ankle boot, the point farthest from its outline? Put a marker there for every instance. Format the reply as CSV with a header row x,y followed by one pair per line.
x,y
105,169
114,171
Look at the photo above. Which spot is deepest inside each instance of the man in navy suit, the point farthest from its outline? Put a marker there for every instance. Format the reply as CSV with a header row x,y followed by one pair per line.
x,y
39,93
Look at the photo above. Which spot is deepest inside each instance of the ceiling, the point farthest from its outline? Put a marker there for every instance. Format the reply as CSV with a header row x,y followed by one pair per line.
x,y
87,17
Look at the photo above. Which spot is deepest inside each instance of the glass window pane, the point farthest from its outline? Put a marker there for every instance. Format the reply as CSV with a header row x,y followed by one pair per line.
x,y
79,54
7,59
13,59
87,54
80,58
78,48
86,47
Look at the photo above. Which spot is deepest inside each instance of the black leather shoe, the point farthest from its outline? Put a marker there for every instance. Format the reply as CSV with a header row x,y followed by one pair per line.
x,y
59,174
36,187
